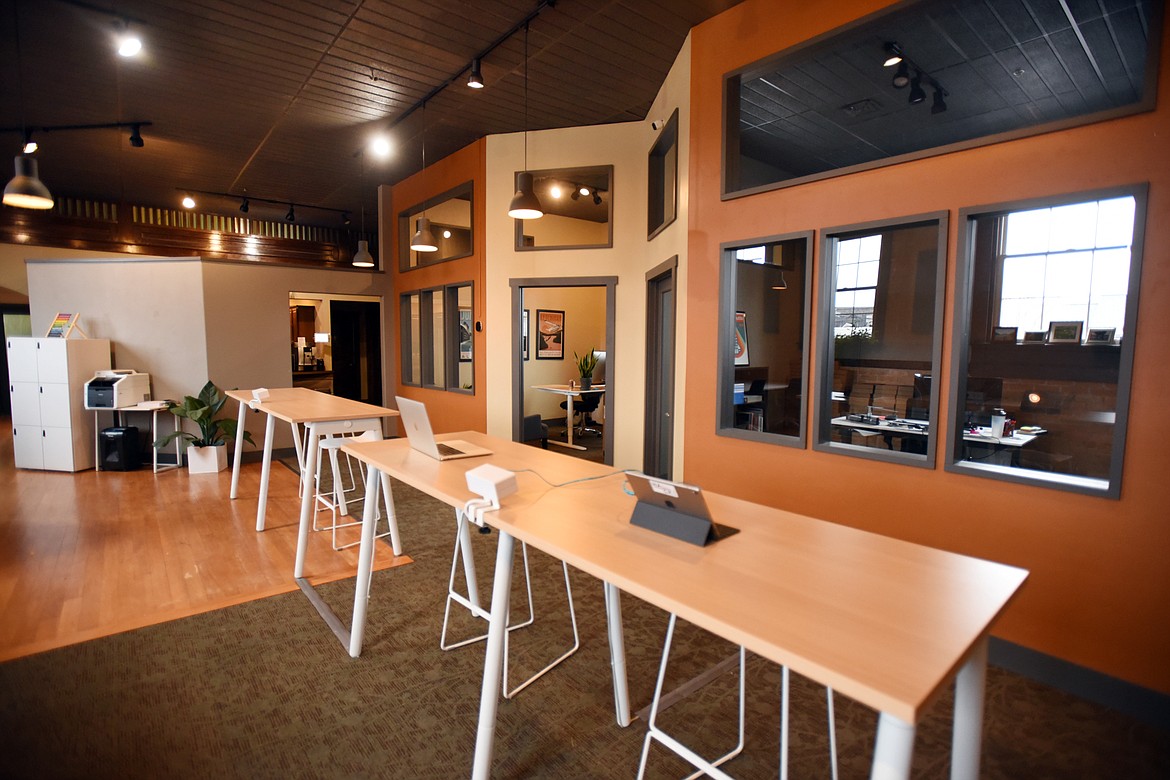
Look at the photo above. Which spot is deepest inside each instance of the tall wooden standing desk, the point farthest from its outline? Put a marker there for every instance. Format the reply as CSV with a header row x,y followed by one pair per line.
x,y
886,622
321,414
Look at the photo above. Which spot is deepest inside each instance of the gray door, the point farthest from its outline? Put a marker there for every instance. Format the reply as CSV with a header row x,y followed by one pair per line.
x,y
658,459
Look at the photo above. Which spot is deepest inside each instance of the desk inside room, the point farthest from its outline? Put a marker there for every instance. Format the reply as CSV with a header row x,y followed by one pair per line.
x,y
886,622
570,393
978,441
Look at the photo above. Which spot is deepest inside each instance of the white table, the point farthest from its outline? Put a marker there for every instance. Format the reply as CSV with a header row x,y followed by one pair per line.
x,y
570,392
322,415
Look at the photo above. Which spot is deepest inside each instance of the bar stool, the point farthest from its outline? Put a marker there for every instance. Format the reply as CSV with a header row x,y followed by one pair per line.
x,y
334,501
710,768
471,603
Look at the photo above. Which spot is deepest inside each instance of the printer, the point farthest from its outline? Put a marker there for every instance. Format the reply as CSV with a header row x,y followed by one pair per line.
x,y
116,389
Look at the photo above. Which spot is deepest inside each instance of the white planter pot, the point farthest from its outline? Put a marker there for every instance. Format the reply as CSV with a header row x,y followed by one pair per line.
x,y
206,460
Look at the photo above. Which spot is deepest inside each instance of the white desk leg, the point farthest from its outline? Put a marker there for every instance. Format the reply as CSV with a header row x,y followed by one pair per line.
x,y
968,729
265,471
391,516
617,653
239,451
489,696
361,587
464,532
307,488
894,749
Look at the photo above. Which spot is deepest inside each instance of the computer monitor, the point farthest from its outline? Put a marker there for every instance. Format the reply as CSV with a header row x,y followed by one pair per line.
x,y
599,371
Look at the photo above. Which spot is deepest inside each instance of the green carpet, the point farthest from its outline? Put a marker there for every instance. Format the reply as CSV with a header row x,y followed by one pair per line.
x,y
264,690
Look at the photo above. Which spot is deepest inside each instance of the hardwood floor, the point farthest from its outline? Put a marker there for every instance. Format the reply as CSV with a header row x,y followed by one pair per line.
x,y
90,554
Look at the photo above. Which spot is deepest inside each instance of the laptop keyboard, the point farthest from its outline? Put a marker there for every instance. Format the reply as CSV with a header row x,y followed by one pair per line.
x,y
447,450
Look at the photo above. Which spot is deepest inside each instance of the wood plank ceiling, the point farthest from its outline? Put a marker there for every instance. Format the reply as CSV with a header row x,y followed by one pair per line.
x,y
279,97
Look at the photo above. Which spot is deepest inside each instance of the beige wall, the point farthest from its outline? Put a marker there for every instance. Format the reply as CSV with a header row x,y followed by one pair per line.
x,y
625,147
13,257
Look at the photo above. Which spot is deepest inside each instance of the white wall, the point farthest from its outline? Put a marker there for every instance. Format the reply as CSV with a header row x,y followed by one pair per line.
x,y
151,310
187,320
625,147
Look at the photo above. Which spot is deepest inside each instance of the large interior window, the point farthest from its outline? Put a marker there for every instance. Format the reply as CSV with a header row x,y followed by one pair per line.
x,y
880,339
933,76
578,210
450,218
1042,368
662,178
437,338
764,305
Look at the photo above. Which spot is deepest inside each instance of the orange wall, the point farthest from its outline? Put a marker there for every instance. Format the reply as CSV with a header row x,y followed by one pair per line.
x,y
448,411
1099,592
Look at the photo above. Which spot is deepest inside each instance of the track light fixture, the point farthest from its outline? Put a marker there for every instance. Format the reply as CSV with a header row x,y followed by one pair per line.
x,y
188,201
244,205
129,44
245,200
475,79
575,194
917,94
136,136
901,76
345,220
135,128
596,198
938,104
291,216
895,55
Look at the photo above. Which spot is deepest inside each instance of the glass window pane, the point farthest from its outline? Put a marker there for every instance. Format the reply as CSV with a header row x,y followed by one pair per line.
x,y
1058,400
761,393
880,360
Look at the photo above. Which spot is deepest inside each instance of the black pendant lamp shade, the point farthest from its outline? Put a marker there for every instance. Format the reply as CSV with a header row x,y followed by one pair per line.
x,y
525,204
26,190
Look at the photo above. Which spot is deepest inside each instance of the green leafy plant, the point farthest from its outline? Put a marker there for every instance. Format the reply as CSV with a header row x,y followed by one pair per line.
x,y
586,363
202,411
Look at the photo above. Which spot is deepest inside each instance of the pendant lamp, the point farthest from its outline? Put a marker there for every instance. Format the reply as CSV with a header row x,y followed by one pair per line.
x,y
362,258
26,190
423,239
525,204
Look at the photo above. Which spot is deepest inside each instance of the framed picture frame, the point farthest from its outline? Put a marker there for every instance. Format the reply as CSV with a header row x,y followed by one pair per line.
x,y
1034,336
465,333
1064,332
740,348
524,334
1004,334
1100,335
550,334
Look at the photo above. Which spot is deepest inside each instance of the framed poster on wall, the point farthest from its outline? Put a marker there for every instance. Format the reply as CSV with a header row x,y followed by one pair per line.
x,y
550,332
524,334
740,349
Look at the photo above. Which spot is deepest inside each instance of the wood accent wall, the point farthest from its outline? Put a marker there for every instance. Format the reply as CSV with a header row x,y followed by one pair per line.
x,y
143,230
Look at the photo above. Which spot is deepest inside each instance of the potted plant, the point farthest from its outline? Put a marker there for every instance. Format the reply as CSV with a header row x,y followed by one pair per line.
x,y
209,452
586,364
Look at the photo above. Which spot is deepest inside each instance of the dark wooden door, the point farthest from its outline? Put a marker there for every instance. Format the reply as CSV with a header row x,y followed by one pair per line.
x,y
357,350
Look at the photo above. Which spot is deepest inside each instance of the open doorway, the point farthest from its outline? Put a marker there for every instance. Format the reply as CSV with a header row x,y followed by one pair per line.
x,y
337,344
556,321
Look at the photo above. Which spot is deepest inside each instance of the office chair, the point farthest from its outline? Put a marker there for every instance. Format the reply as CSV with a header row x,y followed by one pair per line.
x,y
532,429
583,405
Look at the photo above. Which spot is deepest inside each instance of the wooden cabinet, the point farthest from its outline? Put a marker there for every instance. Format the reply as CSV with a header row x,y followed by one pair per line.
x,y
50,427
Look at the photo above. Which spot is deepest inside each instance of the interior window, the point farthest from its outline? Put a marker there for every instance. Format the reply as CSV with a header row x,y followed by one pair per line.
x,y
578,210
880,342
437,337
764,304
448,216
933,76
662,178
1043,373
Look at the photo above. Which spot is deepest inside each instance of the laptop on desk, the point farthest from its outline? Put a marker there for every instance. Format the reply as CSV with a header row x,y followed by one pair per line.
x,y
418,430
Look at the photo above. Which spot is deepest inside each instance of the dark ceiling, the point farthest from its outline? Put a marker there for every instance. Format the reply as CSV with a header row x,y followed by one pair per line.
x,y
1002,65
279,97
